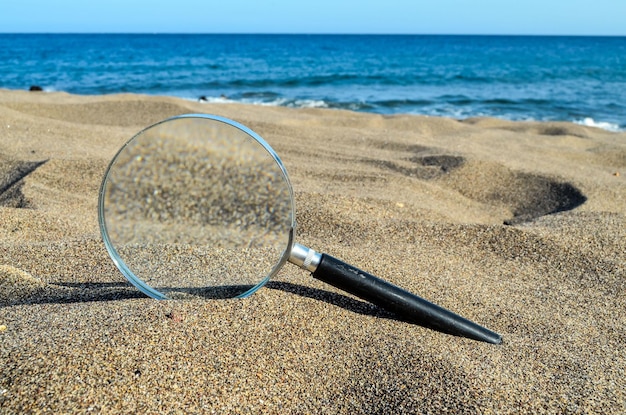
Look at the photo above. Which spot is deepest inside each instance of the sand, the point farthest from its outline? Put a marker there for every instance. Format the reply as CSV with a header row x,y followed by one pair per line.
x,y
519,226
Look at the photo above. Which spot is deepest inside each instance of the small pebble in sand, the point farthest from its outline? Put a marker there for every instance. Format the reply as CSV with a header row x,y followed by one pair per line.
x,y
3,328
175,317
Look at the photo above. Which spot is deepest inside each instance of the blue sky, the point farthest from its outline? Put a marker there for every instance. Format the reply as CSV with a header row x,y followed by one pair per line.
x,y
552,17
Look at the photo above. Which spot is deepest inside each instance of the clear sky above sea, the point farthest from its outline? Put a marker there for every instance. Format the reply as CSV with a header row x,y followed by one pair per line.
x,y
525,17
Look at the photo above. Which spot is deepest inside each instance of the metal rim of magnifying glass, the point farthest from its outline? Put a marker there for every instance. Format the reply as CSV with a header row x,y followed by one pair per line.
x,y
116,257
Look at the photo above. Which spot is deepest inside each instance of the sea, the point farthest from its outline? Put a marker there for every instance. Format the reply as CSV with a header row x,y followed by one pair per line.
x,y
544,78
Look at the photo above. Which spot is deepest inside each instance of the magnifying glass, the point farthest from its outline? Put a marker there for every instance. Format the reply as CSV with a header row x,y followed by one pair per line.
x,y
201,206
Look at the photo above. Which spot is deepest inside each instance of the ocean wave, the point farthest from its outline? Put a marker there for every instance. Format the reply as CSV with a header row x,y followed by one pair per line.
x,y
399,103
408,106
270,100
590,122
312,81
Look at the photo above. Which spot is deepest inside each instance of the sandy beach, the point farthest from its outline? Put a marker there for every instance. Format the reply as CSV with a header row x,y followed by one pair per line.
x,y
519,226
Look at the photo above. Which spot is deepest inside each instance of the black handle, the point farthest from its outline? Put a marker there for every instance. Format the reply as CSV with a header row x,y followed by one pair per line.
x,y
406,305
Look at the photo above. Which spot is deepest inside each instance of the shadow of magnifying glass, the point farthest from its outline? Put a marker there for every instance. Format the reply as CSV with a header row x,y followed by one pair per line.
x,y
201,206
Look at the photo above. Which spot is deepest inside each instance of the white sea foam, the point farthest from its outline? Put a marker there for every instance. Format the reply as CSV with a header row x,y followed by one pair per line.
x,y
213,100
278,102
590,122
310,103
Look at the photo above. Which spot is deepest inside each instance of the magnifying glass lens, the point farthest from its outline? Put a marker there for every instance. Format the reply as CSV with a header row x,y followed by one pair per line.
x,y
197,205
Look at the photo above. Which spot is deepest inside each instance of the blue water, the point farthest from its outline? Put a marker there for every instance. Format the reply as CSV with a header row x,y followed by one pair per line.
x,y
580,79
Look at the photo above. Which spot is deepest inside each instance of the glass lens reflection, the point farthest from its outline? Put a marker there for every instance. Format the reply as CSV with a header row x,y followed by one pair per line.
x,y
196,206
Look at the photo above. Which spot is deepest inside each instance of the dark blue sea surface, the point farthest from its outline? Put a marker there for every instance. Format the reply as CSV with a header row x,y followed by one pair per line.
x,y
579,79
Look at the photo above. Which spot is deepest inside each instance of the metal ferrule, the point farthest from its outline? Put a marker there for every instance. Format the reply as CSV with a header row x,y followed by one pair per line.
x,y
304,257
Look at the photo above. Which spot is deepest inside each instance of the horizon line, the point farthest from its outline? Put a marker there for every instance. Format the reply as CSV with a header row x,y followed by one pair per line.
x,y
312,34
